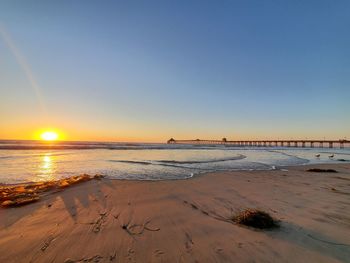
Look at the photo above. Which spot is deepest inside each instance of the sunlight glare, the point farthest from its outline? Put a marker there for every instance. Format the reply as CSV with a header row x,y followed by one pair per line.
x,y
49,136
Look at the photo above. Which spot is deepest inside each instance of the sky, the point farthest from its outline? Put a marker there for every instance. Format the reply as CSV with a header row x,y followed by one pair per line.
x,y
151,70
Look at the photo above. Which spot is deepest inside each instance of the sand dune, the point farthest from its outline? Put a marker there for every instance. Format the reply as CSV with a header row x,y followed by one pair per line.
x,y
186,220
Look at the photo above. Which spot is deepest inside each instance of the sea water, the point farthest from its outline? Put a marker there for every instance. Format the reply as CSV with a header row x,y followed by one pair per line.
x,y
30,161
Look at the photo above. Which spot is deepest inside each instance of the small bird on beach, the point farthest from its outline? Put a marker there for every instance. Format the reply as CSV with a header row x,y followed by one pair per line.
x,y
331,156
318,155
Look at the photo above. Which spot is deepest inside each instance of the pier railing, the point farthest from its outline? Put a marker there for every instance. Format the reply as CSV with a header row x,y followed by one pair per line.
x,y
268,143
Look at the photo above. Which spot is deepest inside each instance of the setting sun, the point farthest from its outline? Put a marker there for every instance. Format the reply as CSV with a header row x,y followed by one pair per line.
x,y
49,136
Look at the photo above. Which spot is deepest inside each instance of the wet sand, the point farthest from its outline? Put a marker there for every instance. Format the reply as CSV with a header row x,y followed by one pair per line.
x,y
186,220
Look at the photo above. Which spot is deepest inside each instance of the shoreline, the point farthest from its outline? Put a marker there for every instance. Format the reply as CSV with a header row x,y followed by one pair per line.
x,y
111,220
199,174
31,166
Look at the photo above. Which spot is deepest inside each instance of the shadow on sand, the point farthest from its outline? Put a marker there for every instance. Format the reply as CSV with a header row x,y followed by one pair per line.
x,y
71,198
311,240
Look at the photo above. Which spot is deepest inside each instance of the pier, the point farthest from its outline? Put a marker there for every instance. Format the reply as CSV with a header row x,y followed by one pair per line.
x,y
267,143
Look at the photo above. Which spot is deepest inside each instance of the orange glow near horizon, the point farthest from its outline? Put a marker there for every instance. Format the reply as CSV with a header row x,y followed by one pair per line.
x,y
155,134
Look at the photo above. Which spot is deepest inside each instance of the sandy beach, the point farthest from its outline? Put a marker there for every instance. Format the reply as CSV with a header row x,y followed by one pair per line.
x,y
186,220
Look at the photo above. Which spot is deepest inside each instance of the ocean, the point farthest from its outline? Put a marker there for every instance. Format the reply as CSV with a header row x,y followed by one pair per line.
x,y
32,161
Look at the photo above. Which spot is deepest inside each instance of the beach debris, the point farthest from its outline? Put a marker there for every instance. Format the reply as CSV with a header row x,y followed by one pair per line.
x,y
342,160
22,194
20,200
98,176
255,218
318,170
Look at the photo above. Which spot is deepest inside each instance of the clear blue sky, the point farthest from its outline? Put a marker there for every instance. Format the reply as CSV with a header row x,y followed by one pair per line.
x,y
150,70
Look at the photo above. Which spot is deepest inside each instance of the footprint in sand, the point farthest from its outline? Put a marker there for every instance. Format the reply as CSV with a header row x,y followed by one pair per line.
x,y
158,252
219,250
189,243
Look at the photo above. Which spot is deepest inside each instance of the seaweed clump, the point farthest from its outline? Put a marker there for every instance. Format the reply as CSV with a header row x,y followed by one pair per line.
x,y
342,160
256,218
22,194
318,170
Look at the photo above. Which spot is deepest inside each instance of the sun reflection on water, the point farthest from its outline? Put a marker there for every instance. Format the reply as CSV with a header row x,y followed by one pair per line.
x,y
46,162
46,167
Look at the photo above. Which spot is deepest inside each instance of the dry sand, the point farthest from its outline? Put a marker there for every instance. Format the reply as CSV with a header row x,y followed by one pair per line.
x,y
185,220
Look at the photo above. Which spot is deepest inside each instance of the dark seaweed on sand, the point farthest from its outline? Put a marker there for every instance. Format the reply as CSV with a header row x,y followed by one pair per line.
x,y
318,170
256,219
